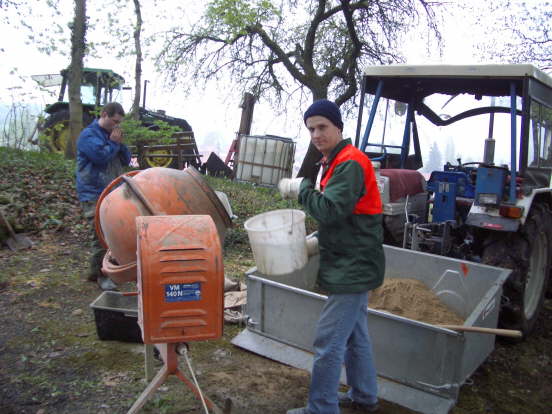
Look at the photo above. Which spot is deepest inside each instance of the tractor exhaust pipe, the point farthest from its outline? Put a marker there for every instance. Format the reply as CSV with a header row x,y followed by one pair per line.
x,y
144,94
488,154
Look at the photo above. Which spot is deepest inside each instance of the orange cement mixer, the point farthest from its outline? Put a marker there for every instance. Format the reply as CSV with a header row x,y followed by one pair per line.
x,y
152,192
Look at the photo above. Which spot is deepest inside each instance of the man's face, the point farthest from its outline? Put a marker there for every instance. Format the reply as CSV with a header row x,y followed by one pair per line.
x,y
110,122
324,134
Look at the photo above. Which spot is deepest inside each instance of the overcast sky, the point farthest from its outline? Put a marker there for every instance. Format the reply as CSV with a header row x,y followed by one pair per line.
x,y
211,112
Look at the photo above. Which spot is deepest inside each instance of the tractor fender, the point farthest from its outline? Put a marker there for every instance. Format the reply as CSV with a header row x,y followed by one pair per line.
x,y
60,106
490,218
56,107
540,194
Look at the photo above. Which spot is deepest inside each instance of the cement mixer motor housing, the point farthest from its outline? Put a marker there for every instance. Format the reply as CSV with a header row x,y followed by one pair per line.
x,y
494,209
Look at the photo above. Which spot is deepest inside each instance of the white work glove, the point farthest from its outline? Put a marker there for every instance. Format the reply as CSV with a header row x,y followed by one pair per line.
x,y
289,188
312,244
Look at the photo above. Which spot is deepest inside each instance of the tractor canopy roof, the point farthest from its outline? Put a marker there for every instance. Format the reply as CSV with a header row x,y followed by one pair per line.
x,y
91,76
403,82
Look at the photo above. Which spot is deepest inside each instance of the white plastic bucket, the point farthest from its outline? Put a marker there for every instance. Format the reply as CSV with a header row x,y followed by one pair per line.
x,y
278,241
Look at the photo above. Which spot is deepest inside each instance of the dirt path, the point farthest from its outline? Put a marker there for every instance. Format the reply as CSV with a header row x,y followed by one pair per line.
x,y
51,360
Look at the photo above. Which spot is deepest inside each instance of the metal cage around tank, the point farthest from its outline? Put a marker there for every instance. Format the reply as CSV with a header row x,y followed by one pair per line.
x,y
264,160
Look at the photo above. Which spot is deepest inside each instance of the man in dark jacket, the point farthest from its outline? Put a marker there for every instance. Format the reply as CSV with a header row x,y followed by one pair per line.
x,y
101,156
348,210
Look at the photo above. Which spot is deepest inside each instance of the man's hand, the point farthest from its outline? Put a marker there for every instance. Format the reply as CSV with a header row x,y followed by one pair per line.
x,y
312,244
116,135
289,188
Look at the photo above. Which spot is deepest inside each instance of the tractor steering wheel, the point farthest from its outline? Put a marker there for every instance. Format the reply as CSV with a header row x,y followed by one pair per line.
x,y
382,156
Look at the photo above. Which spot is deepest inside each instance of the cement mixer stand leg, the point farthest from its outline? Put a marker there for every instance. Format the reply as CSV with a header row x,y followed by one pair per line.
x,y
150,389
170,357
148,361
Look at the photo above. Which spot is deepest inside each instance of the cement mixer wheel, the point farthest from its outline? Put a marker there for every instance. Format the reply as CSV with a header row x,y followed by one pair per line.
x,y
526,252
149,160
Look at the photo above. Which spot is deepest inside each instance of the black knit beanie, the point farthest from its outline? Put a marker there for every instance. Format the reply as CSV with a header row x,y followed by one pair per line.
x,y
327,109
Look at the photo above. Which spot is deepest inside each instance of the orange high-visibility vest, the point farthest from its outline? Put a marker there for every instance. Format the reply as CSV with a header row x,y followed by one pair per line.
x,y
370,202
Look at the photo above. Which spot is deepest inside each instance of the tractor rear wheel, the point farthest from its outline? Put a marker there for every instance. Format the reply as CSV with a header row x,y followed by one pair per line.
x,y
56,131
527,253
150,159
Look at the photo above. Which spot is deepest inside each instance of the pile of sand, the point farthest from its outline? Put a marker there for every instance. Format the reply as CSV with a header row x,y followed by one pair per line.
x,y
412,299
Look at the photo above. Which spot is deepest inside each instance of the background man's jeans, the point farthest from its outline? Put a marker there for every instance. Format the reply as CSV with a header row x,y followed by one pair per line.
x,y
342,337
98,251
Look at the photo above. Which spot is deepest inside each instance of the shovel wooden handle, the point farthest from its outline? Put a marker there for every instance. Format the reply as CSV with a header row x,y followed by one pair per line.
x,y
7,224
478,329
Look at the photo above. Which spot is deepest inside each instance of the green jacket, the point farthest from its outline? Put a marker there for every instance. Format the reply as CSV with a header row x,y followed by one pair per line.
x,y
351,245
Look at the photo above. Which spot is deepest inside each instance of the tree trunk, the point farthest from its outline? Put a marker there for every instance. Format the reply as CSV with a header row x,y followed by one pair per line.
x,y
138,68
75,77
310,167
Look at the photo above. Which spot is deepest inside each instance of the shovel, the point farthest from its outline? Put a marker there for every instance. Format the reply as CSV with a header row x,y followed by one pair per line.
x,y
15,241
479,329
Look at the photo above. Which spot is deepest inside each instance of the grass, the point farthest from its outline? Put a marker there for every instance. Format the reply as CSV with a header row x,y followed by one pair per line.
x,y
53,344
248,200
52,360
38,194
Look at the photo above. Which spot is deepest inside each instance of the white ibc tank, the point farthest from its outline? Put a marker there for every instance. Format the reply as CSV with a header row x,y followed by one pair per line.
x,y
264,160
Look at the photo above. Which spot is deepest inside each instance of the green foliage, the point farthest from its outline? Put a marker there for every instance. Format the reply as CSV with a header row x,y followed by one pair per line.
x,y
230,17
47,137
96,112
50,164
40,190
44,197
159,132
285,48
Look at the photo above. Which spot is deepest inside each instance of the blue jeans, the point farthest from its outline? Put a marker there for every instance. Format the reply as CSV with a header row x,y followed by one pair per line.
x,y
342,337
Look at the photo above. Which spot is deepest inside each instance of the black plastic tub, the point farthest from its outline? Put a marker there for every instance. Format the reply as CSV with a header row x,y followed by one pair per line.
x,y
117,317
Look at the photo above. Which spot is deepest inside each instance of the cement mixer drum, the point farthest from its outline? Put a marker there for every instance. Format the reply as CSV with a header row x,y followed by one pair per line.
x,y
152,192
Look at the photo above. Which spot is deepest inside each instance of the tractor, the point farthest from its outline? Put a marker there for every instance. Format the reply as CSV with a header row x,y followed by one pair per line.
x,y
99,86
489,201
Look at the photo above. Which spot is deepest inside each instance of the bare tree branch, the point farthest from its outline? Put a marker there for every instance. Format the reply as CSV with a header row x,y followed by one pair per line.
x,y
275,53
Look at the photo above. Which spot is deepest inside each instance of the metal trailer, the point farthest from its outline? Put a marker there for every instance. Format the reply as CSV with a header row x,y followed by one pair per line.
x,y
420,366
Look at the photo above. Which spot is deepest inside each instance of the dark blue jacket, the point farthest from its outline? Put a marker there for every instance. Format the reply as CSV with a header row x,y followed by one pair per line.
x,y
98,160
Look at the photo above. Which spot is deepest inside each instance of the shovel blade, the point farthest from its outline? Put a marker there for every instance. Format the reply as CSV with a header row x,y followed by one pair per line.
x,y
18,242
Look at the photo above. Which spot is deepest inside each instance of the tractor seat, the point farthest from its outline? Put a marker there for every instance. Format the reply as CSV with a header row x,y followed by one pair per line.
x,y
403,183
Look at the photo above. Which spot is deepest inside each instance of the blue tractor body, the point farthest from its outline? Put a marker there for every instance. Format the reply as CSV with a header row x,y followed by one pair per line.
x,y
495,207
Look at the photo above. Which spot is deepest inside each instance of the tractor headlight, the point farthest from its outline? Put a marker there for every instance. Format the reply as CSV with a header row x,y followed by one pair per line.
x,y
485,199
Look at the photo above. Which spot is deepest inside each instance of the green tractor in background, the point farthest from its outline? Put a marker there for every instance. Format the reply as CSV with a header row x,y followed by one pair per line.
x,y
98,87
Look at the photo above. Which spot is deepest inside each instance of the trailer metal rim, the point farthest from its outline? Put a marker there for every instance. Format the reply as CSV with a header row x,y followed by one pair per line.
x,y
535,276
153,161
